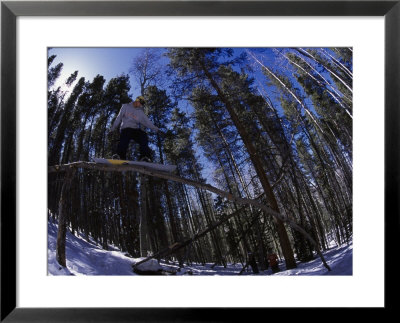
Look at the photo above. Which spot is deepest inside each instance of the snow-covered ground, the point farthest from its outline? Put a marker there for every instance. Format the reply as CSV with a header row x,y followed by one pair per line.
x,y
87,258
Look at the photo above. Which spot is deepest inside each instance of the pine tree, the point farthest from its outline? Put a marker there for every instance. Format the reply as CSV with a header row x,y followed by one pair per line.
x,y
69,107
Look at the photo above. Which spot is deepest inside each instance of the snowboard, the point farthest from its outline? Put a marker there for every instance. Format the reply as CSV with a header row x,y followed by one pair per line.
x,y
160,167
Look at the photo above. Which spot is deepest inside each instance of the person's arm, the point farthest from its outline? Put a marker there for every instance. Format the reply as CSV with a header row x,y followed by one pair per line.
x,y
118,119
144,120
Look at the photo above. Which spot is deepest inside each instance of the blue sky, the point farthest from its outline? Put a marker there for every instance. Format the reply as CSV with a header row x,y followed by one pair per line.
x,y
108,62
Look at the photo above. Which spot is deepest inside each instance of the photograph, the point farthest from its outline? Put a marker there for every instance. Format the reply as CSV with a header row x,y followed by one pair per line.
x,y
200,161
217,142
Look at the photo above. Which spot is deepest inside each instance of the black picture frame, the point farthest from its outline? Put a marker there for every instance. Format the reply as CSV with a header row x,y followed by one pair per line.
x,y
10,10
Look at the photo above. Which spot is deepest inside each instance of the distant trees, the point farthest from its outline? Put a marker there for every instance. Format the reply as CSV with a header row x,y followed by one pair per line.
x,y
203,64
320,120
280,134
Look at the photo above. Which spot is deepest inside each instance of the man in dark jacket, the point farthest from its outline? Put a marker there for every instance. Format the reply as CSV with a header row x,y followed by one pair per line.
x,y
252,262
273,261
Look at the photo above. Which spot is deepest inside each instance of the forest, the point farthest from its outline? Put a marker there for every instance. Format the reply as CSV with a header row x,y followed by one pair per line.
x,y
262,141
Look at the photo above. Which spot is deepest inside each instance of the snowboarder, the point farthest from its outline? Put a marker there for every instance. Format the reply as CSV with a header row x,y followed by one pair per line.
x,y
131,116
273,261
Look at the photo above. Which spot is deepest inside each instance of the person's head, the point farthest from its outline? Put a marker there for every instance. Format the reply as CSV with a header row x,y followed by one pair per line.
x,y
139,102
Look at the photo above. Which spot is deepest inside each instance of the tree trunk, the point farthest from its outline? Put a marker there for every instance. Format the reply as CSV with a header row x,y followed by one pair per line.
x,y
143,227
62,217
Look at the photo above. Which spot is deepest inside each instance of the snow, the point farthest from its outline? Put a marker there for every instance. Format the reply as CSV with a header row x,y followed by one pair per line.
x,y
85,258
88,258
340,259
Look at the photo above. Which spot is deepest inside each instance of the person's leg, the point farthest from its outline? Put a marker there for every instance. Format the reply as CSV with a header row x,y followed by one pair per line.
x,y
124,139
142,140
